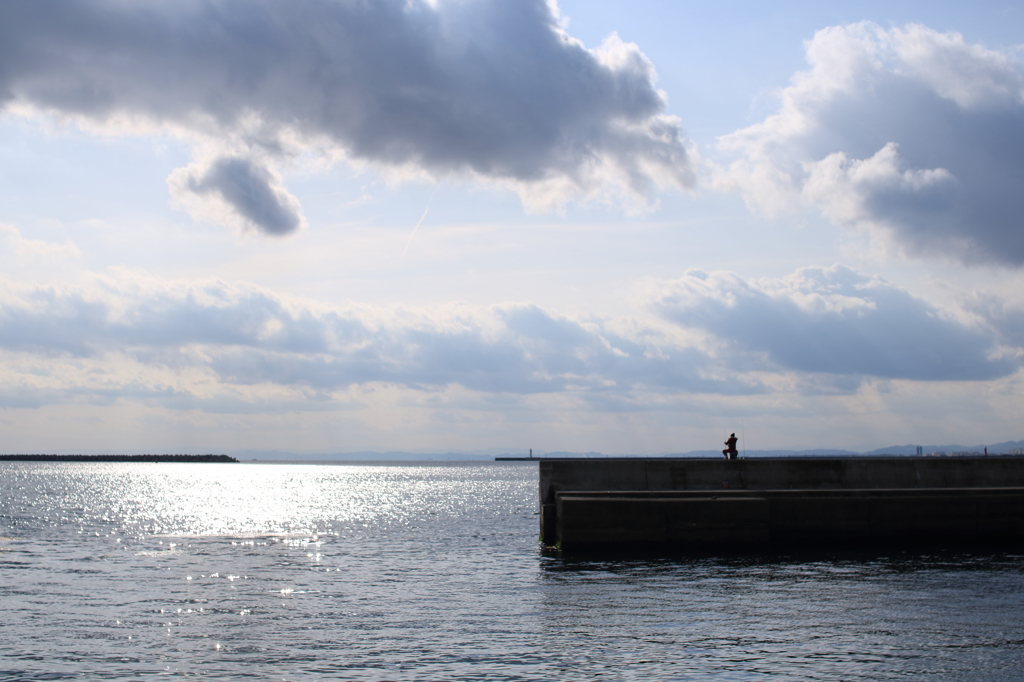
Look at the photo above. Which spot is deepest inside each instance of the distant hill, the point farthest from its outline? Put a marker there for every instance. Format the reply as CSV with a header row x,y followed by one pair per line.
x,y
994,448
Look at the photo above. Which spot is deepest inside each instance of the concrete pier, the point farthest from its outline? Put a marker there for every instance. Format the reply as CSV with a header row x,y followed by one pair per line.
x,y
691,502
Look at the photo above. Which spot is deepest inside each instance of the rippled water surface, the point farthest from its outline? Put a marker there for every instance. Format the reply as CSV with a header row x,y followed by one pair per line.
x,y
432,571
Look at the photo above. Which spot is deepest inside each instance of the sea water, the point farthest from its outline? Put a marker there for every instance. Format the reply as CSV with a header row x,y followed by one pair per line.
x,y
432,571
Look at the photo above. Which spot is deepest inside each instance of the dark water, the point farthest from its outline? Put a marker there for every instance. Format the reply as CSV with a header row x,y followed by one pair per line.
x,y
432,572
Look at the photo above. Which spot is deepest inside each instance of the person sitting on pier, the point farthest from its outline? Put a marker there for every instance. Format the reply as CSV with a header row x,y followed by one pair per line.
x,y
730,451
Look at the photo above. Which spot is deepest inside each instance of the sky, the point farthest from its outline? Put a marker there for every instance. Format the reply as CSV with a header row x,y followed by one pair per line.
x,y
493,225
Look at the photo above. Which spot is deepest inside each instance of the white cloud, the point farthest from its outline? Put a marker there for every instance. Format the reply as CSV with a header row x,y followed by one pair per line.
x,y
36,249
910,133
488,89
832,321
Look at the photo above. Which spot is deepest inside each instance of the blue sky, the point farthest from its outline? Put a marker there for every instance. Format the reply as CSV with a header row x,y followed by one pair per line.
x,y
464,225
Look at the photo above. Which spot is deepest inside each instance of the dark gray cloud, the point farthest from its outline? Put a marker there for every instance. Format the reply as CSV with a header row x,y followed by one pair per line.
x,y
911,133
832,321
492,88
251,192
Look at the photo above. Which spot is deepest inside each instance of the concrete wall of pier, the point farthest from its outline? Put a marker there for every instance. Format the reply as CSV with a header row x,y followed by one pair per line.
x,y
819,500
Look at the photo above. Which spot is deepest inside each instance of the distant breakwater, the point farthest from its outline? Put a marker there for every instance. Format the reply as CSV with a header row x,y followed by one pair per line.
x,y
117,458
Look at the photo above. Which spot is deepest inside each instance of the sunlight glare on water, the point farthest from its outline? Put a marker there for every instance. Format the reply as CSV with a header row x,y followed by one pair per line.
x,y
227,499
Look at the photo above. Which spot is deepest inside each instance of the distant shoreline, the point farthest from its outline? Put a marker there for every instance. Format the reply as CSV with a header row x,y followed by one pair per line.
x,y
117,458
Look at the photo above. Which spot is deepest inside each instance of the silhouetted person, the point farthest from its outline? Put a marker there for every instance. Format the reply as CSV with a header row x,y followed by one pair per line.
x,y
730,451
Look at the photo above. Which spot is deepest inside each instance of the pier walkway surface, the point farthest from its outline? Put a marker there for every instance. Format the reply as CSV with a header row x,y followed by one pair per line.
x,y
775,501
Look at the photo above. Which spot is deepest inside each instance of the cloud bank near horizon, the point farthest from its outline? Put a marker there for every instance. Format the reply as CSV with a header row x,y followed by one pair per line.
x,y
496,91
834,321
181,343
242,335
912,134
